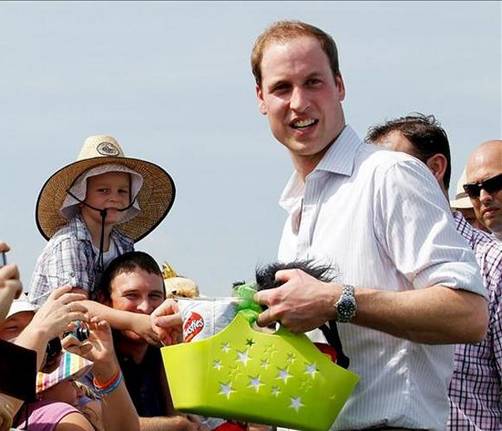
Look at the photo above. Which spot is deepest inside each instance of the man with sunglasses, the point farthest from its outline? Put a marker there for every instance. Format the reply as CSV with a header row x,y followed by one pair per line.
x,y
484,185
475,387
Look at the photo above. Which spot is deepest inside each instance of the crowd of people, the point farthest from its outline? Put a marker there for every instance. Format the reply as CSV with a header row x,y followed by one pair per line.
x,y
416,305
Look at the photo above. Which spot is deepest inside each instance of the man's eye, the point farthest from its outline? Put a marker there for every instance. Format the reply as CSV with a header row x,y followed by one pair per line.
x,y
314,82
124,192
279,89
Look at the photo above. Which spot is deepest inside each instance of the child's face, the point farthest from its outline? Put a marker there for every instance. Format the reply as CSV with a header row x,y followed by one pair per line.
x,y
66,392
111,191
14,325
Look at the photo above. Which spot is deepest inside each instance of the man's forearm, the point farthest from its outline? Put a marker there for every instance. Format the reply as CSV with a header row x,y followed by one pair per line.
x,y
434,315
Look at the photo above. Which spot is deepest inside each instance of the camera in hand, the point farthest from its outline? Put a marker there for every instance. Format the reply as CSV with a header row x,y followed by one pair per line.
x,y
81,331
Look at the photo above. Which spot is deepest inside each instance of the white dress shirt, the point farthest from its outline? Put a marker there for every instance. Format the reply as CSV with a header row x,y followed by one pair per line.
x,y
380,218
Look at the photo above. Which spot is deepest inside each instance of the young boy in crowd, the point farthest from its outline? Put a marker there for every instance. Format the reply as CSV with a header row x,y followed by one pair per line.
x,y
92,211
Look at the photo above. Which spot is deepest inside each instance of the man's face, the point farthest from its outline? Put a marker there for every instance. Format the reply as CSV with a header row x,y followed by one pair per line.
x,y
110,191
301,97
138,292
10,328
488,206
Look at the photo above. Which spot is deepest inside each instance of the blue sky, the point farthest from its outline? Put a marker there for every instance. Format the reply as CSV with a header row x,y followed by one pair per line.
x,y
172,82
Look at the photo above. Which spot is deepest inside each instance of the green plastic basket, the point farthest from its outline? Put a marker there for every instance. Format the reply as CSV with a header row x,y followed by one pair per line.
x,y
247,375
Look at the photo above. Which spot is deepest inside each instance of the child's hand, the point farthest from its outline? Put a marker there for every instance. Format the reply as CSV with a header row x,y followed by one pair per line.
x,y
166,322
141,325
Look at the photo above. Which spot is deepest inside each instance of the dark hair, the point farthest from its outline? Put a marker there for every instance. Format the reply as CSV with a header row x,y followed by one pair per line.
x,y
425,134
265,275
126,262
281,31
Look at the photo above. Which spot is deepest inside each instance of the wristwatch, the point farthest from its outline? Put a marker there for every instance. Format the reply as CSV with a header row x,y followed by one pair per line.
x,y
346,305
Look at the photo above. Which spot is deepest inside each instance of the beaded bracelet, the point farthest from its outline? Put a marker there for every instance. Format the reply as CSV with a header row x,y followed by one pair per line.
x,y
111,386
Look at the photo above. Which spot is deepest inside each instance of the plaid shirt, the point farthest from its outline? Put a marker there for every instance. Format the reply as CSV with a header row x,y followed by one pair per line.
x,y
69,259
475,388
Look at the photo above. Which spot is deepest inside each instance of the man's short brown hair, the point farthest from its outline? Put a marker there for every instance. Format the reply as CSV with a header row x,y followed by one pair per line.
x,y
282,31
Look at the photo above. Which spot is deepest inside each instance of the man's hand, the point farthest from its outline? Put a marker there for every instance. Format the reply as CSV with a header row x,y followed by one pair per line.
x,y
166,322
301,304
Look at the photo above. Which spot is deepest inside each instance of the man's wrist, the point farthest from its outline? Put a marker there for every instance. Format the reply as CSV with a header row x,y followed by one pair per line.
x,y
346,305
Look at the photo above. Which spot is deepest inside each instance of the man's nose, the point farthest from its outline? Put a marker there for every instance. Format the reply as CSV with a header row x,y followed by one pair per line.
x,y
485,197
145,306
299,100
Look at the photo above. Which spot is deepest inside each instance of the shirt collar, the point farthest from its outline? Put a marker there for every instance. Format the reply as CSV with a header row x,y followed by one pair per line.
x,y
339,159
82,233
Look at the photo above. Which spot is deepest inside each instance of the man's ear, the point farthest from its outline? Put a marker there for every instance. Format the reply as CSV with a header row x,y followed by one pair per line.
x,y
261,103
340,87
437,164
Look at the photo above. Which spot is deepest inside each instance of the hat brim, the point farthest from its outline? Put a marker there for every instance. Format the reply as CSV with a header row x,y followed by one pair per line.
x,y
71,366
155,198
462,203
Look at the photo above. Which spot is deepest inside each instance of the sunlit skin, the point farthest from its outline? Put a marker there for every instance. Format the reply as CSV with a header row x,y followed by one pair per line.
x,y
66,392
484,163
110,190
138,292
10,328
301,98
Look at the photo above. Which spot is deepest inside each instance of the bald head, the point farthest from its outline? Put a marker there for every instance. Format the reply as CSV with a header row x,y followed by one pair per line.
x,y
485,163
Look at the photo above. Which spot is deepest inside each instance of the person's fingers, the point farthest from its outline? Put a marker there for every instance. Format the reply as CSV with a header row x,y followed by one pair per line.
x,y
71,297
166,322
57,293
9,272
75,306
14,286
264,297
284,275
266,318
76,315
70,342
168,307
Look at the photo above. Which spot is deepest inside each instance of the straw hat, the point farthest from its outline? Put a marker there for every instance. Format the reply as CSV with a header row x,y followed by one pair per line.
x,y
71,367
155,197
461,200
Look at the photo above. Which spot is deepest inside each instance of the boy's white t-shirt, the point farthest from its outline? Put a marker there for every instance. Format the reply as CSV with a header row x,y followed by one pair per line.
x,y
108,256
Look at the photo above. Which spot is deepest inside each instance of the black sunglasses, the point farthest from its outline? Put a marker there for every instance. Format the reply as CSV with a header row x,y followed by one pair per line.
x,y
490,185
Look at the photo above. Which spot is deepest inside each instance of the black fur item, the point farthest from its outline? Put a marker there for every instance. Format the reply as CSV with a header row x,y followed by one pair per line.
x,y
265,275
265,279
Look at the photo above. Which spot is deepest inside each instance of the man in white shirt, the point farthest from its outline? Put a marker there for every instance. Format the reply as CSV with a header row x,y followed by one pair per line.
x,y
484,185
409,283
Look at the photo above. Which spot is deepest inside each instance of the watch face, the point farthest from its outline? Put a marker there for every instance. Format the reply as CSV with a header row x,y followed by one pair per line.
x,y
346,308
